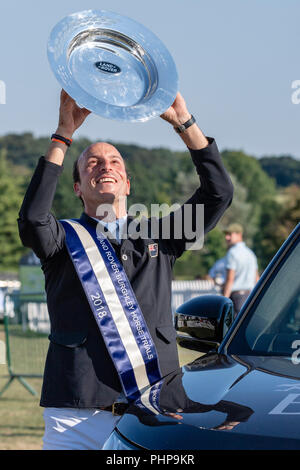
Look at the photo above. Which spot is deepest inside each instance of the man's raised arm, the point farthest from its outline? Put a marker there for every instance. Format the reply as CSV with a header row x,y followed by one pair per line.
x,y
178,115
70,119
38,228
215,190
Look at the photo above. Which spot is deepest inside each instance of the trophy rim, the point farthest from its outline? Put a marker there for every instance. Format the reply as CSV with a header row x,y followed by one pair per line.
x,y
81,29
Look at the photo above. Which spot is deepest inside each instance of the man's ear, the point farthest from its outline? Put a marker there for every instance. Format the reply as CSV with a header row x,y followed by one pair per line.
x,y
128,187
76,187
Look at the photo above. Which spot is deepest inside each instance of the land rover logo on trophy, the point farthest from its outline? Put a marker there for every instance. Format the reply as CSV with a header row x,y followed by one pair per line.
x,y
107,67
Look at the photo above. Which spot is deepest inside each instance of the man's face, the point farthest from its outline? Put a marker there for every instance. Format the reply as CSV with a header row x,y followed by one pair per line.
x,y
103,177
232,238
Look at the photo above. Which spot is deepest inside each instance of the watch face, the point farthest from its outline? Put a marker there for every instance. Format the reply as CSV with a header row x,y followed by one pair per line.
x,y
112,65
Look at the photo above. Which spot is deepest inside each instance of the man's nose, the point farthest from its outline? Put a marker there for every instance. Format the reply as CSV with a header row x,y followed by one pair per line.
x,y
106,166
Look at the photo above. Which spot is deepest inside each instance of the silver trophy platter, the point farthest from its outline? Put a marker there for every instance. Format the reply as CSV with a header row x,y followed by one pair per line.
x,y
112,65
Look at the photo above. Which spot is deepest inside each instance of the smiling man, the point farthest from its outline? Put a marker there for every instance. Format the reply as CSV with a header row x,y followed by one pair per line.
x,y
100,177
109,298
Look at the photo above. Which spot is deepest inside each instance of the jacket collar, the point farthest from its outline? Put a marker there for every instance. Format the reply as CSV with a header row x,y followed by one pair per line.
x,y
90,220
86,218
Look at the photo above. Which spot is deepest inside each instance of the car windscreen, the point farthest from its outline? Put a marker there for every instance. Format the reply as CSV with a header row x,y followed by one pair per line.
x,y
272,326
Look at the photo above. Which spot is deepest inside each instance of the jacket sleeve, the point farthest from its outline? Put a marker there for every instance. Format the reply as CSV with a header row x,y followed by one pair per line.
x,y
38,228
203,210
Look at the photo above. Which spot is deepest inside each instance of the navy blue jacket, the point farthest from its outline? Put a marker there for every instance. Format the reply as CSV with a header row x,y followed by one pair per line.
x,y
79,371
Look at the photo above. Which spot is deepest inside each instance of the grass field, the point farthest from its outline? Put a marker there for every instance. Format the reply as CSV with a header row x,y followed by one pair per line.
x,y
21,420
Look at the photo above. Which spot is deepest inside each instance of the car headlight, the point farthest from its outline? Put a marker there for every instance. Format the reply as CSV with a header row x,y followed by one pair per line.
x,y
117,442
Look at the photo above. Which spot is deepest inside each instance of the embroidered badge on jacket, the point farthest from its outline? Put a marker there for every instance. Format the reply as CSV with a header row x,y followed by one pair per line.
x,y
153,250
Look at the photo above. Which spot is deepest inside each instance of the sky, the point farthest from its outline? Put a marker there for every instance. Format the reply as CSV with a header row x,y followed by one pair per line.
x,y
236,62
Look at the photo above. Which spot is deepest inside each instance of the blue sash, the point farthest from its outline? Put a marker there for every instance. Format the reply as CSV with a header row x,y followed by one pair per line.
x,y
149,400
114,306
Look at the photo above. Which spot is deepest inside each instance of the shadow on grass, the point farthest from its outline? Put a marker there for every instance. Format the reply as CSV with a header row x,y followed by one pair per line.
x,y
15,428
11,400
27,334
21,434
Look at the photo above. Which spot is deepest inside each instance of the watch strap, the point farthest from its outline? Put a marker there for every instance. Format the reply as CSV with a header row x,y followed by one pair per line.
x,y
185,126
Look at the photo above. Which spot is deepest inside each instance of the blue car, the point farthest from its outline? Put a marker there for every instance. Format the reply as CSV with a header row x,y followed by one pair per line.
x,y
243,391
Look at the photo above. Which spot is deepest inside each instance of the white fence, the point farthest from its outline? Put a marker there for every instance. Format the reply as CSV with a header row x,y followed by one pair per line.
x,y
186,290
35,317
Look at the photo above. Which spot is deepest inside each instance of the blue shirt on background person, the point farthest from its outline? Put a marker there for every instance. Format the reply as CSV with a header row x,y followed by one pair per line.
x,y
243,261
218,271
241,267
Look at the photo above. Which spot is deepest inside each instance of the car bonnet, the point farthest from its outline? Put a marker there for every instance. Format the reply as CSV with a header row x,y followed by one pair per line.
x,y
220,402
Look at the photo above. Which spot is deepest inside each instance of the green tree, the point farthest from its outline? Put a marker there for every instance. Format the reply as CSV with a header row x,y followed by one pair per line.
x,y
278,218
241,210
10,202
66,204
249,174
196,263
284,169
159,176
254,192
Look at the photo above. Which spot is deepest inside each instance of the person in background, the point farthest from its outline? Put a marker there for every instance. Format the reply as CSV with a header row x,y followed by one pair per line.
x,y
241,267
217,272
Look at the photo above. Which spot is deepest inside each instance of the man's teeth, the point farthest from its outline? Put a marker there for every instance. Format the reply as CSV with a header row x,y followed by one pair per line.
x,y
106,180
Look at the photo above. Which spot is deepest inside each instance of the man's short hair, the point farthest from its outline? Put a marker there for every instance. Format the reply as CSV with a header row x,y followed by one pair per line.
x,y
76,174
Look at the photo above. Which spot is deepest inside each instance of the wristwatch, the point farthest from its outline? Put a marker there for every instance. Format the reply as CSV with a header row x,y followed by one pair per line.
x,y
185,126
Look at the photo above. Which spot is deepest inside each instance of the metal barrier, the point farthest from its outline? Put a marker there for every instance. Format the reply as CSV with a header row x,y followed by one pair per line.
x,y
186,290
26,327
